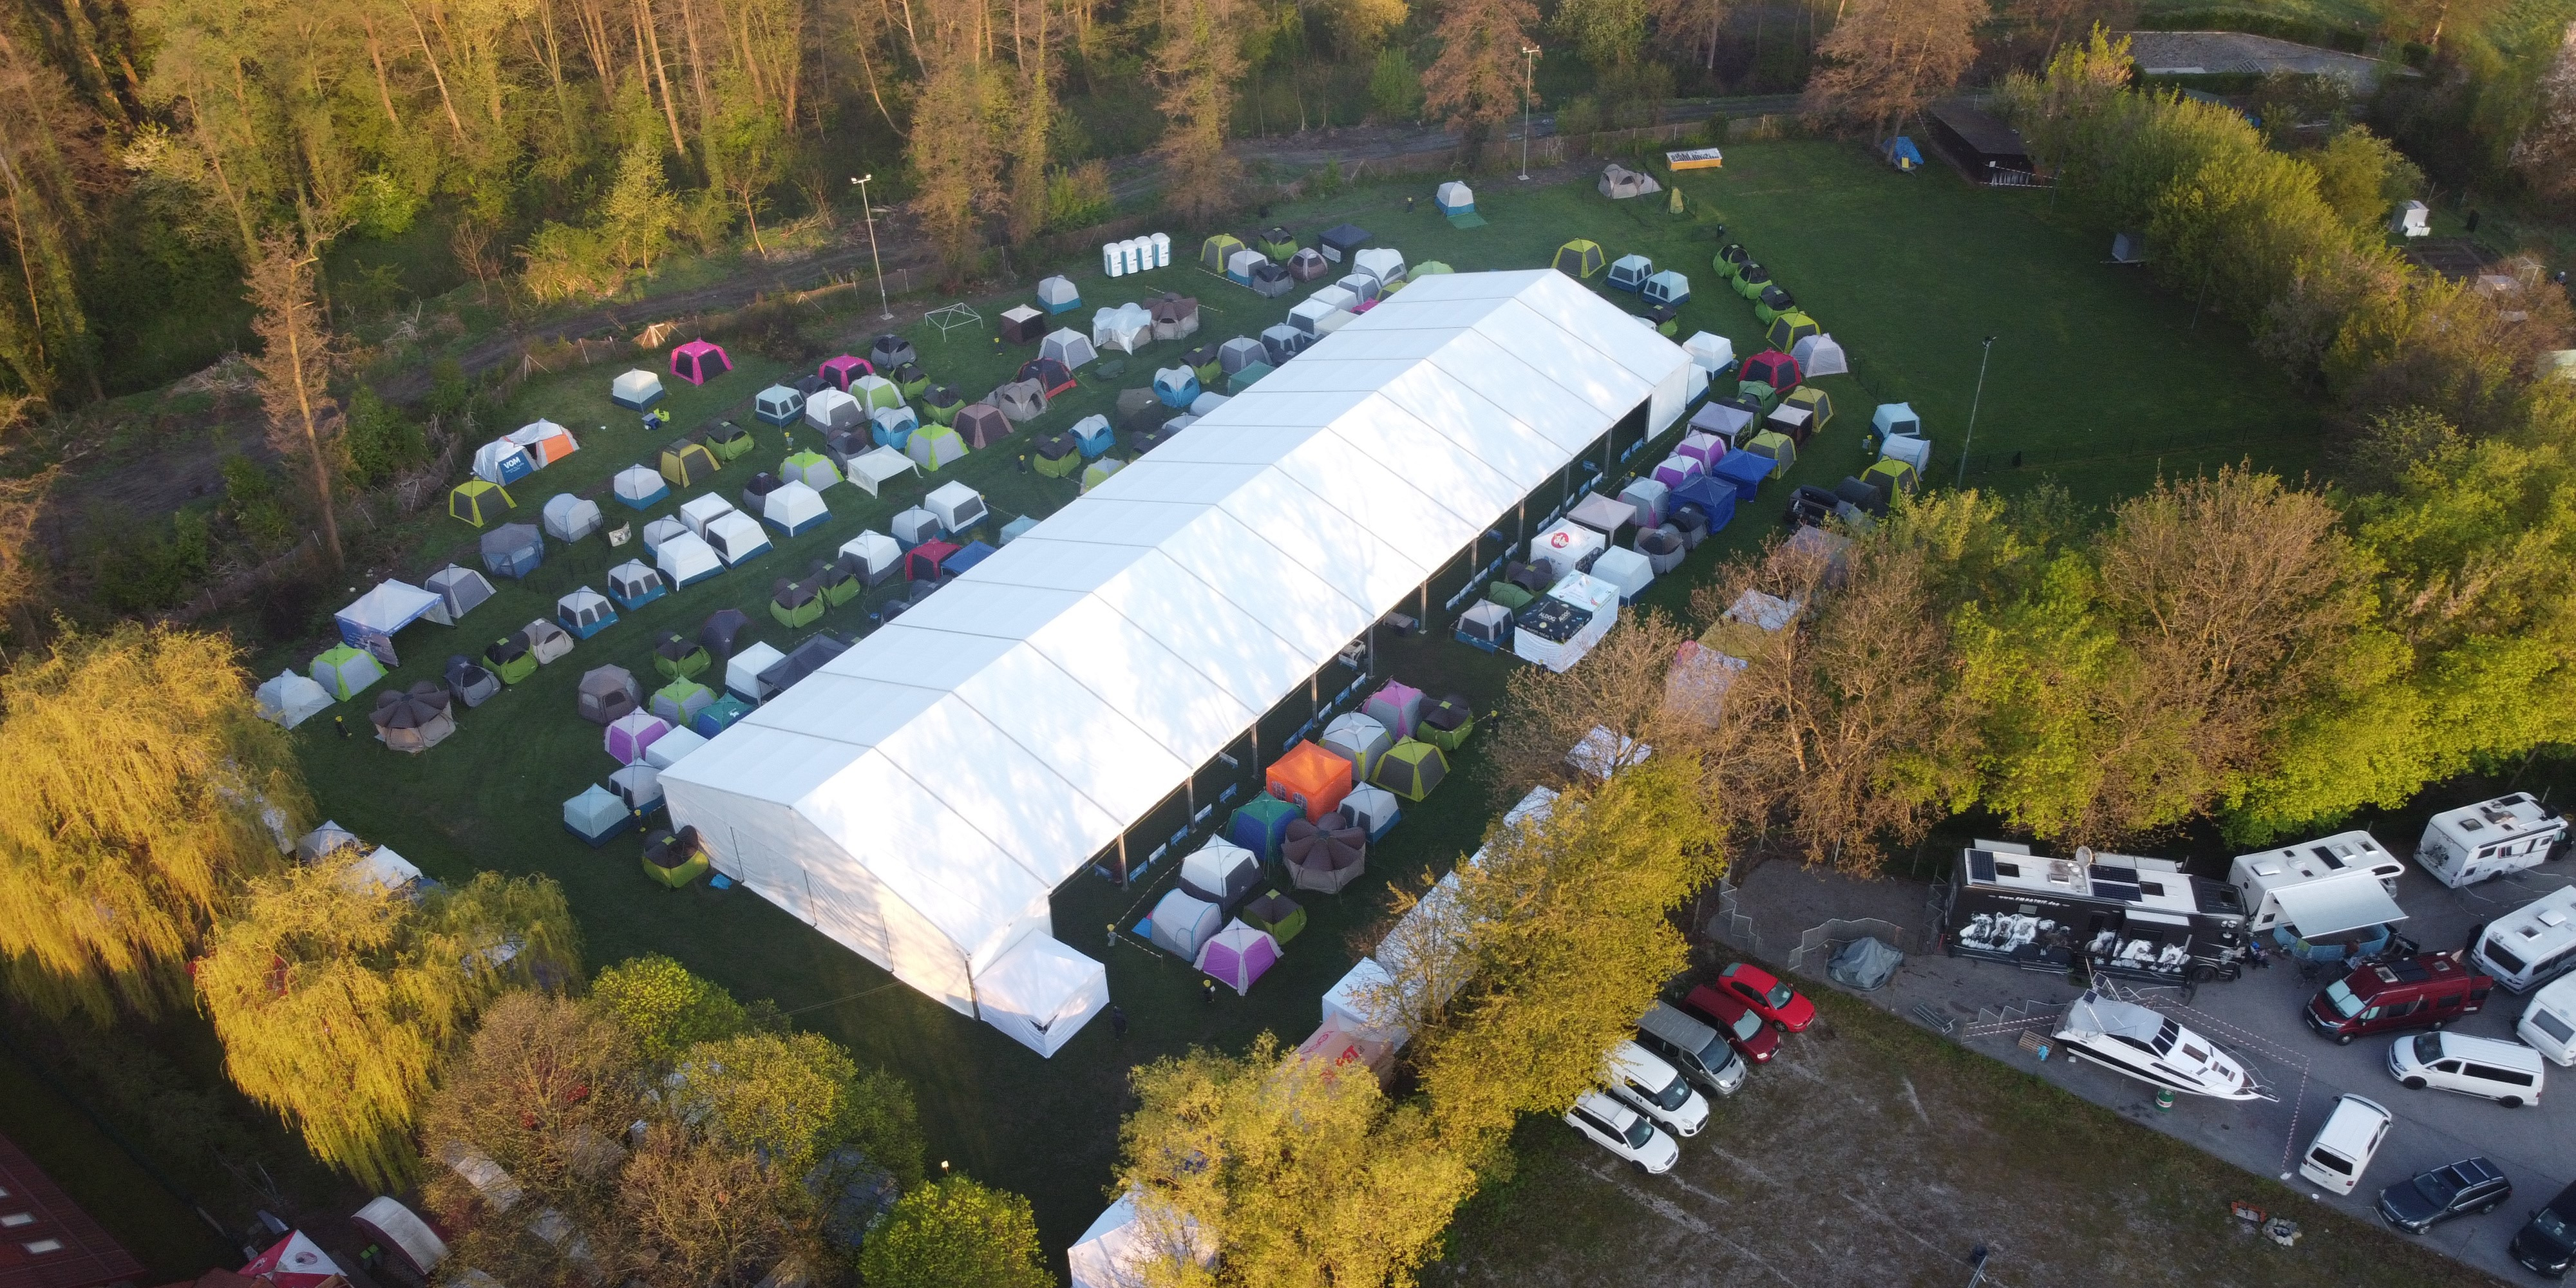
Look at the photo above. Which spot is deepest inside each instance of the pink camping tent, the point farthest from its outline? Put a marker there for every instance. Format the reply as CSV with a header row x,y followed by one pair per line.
x,y
1397,706
1238,955
629,734
844,369
699,362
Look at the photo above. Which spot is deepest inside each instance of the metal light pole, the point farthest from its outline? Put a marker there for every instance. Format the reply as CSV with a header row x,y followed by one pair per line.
x,y
868,211
1972,412
1977,1261
1529,75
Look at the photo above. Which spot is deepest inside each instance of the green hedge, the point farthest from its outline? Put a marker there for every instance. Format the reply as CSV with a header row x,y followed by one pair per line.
x,y
2252,22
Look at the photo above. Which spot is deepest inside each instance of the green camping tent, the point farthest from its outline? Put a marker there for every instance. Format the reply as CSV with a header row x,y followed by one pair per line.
x,y
1216,250
1446,723
728,440
1819,405
1787,329
1275,915
1760,392
1579,258
679,657
478,502
345,672
1426,268
687,463
1411,768
1777,446
1890,473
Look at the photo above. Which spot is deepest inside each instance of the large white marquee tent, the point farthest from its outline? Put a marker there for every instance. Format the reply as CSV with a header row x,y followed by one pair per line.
x,y
930,787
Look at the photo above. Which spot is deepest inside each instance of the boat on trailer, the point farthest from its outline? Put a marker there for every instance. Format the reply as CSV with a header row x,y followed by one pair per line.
x,y
2151,1047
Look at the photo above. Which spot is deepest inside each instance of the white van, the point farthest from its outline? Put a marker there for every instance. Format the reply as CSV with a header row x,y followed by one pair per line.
x,y
1653,1088
2507,1073
2533,944
2549,1023
2345,1145
2488,839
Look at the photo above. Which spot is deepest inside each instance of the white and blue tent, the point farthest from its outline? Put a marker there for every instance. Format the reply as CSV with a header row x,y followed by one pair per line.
x,y
1455,198
636,390
389,607
640,487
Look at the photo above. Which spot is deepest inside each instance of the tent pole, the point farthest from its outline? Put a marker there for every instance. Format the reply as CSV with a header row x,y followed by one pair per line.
x,y
1122,858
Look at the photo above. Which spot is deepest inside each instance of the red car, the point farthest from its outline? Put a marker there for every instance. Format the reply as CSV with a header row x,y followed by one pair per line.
x,y
1745,1030
1769,998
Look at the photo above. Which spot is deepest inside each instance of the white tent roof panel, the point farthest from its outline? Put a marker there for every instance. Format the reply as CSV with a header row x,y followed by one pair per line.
x,y
939,778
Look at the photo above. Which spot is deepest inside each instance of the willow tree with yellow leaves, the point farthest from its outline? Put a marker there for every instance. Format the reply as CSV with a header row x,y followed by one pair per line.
x,y
142,788
336,998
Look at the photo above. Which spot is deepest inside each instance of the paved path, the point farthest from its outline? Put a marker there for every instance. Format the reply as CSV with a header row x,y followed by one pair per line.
x,y
2170,53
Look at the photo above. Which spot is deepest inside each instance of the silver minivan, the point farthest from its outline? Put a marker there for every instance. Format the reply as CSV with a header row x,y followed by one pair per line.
x,y
2507,1073
1697,1050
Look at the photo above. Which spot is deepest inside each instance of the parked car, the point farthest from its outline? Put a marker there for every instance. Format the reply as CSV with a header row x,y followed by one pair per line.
x,y
1769,998
2344,1147
2425,991
1735,1021
1692,1047
1651,1087
2507,1073
2455,1189
1624,1132
2547,1242
2549,1023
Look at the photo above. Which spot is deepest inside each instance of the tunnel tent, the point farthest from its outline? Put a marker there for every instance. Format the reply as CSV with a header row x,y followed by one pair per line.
x,y
289,699
1181,922
686,463
636,390
1219,872
571,518
1818,355
1058,295
1579,258
1068,347
1040,993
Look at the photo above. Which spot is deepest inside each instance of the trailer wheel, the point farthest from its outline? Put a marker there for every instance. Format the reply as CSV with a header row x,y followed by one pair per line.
x,y
2202,973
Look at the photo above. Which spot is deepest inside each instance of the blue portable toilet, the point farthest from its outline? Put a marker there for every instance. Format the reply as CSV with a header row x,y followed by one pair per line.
x,y
1178,387
1093,435
1667,287
1631,272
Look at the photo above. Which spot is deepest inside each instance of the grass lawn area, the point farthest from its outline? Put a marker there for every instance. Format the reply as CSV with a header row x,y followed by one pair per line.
x,y
2098,376
1870,1152
146,1219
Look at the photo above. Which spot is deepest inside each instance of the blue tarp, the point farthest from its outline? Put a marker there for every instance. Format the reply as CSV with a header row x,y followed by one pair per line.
x,y
1901,153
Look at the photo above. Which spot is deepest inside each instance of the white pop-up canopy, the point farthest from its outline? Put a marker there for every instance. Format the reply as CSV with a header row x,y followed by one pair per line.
x,y
927,790
388,607
1042,993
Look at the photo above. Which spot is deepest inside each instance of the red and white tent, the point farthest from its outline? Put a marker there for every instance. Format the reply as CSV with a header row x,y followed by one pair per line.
x,y
295,1262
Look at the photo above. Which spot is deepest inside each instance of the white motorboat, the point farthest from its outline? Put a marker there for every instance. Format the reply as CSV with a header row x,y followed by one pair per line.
x,y
2131,1039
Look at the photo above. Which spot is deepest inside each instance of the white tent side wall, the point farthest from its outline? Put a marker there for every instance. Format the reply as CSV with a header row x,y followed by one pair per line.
x,y
920,796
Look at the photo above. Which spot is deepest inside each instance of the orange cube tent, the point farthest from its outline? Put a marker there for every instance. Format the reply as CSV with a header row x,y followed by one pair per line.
x,y
1311,778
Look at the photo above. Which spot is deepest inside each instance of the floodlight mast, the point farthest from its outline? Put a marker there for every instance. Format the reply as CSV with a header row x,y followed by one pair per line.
x,y
885,311
1973,402
1529,73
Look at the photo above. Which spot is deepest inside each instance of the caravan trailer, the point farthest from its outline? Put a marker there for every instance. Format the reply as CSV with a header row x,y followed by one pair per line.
x,y
2140,918
2490,838
2312,883
2532,945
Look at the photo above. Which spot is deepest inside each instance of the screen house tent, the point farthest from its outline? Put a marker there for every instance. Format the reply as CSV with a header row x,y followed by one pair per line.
x,y
925,792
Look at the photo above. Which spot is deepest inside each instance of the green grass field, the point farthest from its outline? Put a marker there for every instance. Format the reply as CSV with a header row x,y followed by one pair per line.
x,y
2096,377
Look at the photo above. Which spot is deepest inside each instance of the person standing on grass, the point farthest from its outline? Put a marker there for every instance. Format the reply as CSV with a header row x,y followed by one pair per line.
x,y
1118,1021
1207,990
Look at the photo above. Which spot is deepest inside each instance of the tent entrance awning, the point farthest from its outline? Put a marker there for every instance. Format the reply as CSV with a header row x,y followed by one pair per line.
x,y
2333,907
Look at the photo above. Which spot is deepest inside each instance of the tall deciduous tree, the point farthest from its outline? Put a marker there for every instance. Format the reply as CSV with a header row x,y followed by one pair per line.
x,y
1477,82
955,1231
142,788
51,171
297,357
1198,69
335,998
2545,155
1886,59
1299,1171
955,183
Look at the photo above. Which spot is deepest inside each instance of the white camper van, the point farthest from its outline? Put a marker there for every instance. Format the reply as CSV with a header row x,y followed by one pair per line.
x,y
2533,944
2488,839
2549,1023
2321,887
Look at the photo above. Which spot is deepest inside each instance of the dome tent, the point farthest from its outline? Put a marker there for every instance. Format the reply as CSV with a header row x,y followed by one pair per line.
x,y
889,351
1237,955
1274,914
570,518
596,815
1092,436
876,556
1579,258
509,658
290,699
1819,355
933,446
874,392
942,403
413,720
674,859
686,559
778,405
1397,706
478,503
735,537
546,641
1324,857
957,506
838,371
981,425
639,488
1308,264
544,441
1240,352
1068,346
698,511
513,550
686,463
1058,295
699,362
585,612
1052,377
1180,924
502,461
1359,740
831,411
794,508
1041,993
1098,472
1411,769
1454,198
1447,722
680,701
811,468
1261,824
607,693
1021,400
678,657
1176,386
639,785
1788,329
728,441
1219,872
1666,287
470,682
629,734
634,583
635,390
893,426
1629,272
1372,808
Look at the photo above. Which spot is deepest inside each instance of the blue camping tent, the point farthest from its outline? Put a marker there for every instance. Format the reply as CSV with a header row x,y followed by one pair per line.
x,y
1743,469
1715,498
1901,153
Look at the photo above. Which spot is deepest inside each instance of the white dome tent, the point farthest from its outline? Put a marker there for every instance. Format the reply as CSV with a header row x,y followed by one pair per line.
x,y
929,788
794,508
1818,355
1118,1247
640,487
570,518
292,699
635,390
687,559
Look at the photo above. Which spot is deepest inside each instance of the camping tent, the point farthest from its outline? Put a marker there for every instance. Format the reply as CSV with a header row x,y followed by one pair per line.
x,y
1176,317
933,446
291,699
874,392
1069,347
1240,352
1126,328
1454,198
893,426
1818,405
413,720
743,669
1050,376
1180,924
639,785
387,608
1098,472
544,441
680,701
1725,419
889,351
1773,368
687,463
1274,914
1619,183
628,735
1677,469
478,502
513,550
639,488
1776,447
1310,777
1565,547
1058,455
687,559
831,411
840,369
699,511
728,441
502,461
1041,993
1714,354
755,494
510,658
942,403
607,693
1371,808
1916,452
1020,400
1579,258
1216,251
635,390
910,378
470,682
1308,264
678,657
796,604
914,527
1022,324
1818,355
1115,1251
1667,288
1773,302
794,508
811,468
1261,824
1385,263
1276,242
1624,568
1789,329
1894,419
1325,855
1237,955
1865,964
982,424
1411,768
1176,386
957,506
570,518
546,641
1058,295
923,562
596,815
699,362
1447,723
735,536
1341,241
585,612
1238,270
1219,872
1358,740
1396,706
1317,316
1629,272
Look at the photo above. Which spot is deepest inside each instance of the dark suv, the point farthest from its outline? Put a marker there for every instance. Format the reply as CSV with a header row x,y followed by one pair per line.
x,y
2547,1242
2455,1189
